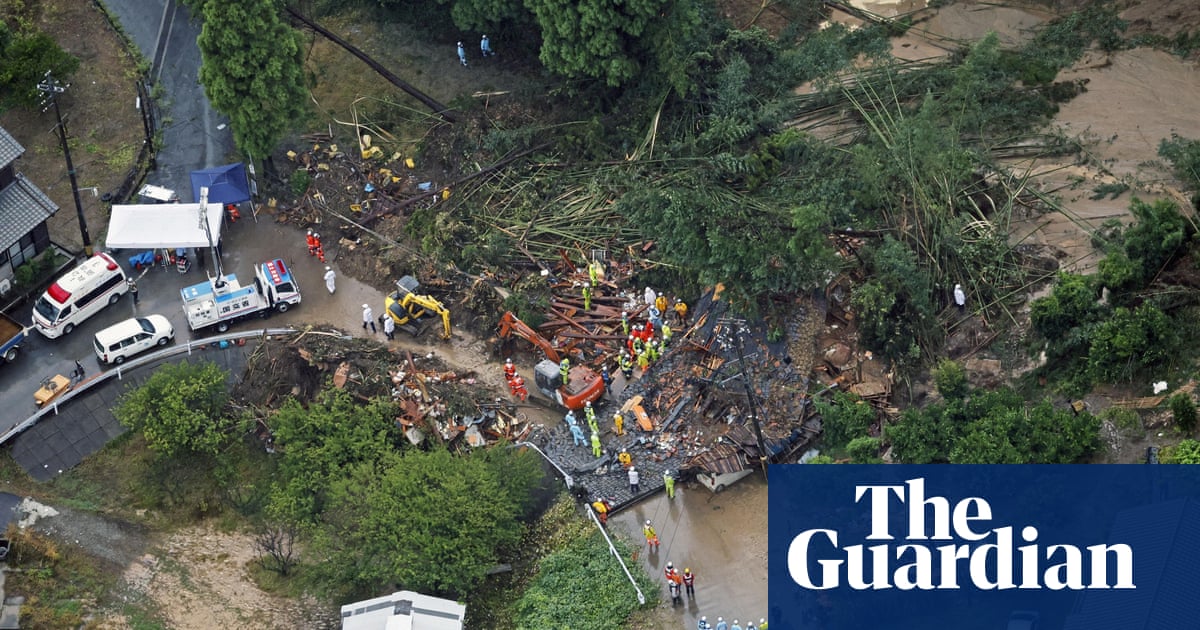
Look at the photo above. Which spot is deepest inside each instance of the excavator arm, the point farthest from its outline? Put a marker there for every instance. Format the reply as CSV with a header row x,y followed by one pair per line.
x,y
420,305
510,325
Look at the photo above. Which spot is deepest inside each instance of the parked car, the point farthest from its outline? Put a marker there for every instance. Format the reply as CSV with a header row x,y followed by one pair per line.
x,y
136,334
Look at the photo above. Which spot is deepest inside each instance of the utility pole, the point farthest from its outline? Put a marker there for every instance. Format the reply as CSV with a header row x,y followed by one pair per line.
x,y
739,327
219,281
52,88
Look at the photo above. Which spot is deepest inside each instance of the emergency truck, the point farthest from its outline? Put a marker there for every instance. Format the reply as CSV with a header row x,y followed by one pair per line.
x,y
220,302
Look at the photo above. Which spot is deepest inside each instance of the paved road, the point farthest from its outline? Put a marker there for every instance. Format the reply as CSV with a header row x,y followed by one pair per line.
x,y
194,137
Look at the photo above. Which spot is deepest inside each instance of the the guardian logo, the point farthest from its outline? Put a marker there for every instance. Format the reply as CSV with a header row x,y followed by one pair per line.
x,y
974,554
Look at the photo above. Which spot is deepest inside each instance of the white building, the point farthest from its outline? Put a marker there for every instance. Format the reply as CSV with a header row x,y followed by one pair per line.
x,y
404,610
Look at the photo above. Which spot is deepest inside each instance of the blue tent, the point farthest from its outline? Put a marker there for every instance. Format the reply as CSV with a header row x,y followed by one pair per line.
x,y
226,184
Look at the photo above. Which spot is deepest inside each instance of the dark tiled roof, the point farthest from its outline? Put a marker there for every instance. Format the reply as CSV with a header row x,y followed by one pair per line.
x,y
10,149
22,208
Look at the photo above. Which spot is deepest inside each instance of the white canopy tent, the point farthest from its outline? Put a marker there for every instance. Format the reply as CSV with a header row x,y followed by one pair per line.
x,y
166,225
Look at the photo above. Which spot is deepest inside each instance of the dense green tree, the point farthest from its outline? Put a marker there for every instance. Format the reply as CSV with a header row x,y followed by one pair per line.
x,y
843,419
179,409
993,427
25,56
426,521
615,40
1183,411
252,71
951,380
320,443
754,246
1131,341
895,308
1073,302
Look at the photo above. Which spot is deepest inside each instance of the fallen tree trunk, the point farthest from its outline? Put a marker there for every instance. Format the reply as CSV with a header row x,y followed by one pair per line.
x,y
438,108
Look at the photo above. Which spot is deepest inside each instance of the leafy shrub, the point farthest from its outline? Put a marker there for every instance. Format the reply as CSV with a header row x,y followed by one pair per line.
x,y
894,308
1127,421
1183,411
950,379
993,427
1184,156
1130,342
299,181
582,586
1186,452
179,409
864,450
846,418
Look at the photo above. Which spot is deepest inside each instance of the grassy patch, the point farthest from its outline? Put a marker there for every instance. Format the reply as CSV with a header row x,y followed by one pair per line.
x,y
559,548
60,584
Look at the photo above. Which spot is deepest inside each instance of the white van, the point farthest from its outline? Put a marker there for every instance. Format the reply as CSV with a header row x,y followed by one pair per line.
x,y
136,334
78,295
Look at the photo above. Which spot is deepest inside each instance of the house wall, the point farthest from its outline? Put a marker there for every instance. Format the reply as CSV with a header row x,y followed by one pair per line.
x,y
31,244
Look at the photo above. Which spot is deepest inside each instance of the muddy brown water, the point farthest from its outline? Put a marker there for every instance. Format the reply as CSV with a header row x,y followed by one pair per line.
x,y
722,538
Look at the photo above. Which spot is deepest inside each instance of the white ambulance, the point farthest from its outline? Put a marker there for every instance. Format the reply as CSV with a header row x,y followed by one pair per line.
x,y
81,293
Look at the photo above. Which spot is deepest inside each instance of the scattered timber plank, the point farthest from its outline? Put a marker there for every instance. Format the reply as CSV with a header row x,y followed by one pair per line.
x,y
340,376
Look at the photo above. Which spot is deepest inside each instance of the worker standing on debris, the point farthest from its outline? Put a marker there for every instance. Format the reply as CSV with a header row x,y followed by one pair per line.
x,y
626,365
629,343
564,369
589,414
606,378
666,334
330,279
643,360
509,369
570,418
634,478
654,350
681,313
669,482
619,423
625,459
960,298
625,322
660,303
638,345
649,295
595,444
577,433
594,273
587,297
368,318
516,386
389,328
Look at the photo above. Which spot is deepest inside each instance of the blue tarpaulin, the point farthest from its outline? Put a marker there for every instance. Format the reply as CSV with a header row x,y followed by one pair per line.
x,y
226,184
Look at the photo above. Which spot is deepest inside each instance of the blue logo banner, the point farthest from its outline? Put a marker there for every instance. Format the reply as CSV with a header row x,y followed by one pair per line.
x,y
1087,547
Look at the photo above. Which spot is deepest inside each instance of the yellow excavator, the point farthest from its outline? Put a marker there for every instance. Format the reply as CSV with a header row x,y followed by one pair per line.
x,y
406,307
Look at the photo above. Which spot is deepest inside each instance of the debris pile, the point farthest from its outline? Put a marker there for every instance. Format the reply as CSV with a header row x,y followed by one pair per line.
x,y
433,401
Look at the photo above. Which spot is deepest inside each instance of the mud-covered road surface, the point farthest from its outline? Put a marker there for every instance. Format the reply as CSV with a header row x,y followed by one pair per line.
x,y
722,538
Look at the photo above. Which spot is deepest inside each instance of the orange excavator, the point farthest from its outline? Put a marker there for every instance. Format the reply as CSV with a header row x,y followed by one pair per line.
x,y
583,386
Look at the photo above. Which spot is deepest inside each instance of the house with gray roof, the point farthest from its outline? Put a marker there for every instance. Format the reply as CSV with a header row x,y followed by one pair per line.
x,y
404,610
24,210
